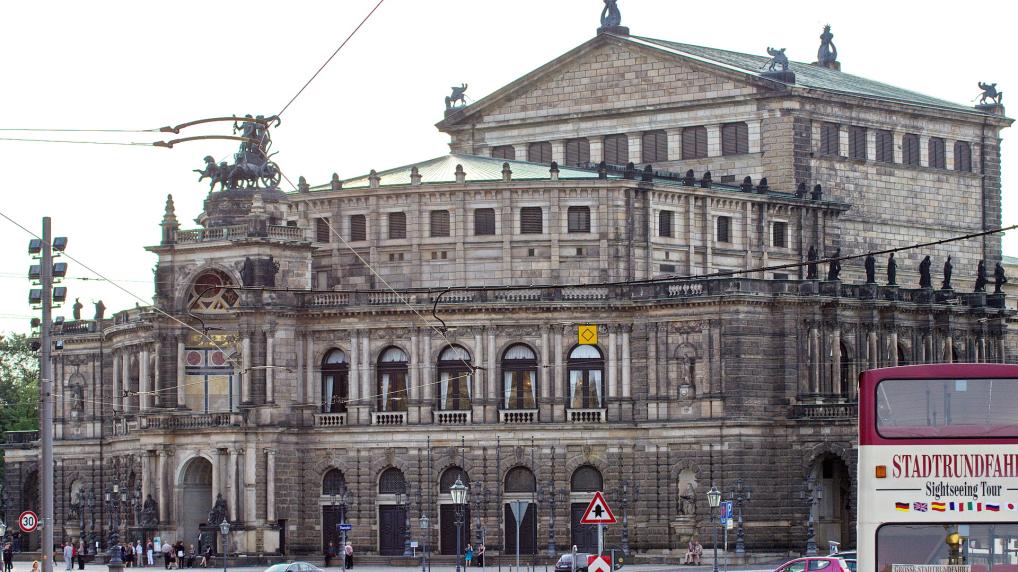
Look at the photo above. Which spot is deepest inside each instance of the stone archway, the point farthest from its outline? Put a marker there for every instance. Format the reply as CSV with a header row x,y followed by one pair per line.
x,y
833,510
196,496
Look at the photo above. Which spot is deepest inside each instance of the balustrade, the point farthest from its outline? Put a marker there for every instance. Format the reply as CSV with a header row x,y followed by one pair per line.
x,y
518,416
586,415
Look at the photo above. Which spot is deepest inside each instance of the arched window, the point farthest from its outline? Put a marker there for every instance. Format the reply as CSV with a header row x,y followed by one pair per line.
x,y
449,477
586,378
910,149
333,483
654,147
586,479
391,482
694,142
454,376
519,378
962,156
210,293
392,380
520,480
335,382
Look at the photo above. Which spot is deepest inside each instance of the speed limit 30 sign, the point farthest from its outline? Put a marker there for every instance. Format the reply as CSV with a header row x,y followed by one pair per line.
x,y
28,521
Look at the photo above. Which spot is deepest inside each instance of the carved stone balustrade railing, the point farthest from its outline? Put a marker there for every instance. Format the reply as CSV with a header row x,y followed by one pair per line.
x,y
330,419
518,416
388,418
452,417
190,421
586,415
825,410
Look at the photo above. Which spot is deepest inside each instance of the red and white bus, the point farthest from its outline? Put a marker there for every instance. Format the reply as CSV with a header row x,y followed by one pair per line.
x,y
938,469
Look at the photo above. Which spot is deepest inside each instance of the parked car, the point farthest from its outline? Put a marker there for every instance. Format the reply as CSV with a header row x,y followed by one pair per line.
x,y
849,557
293,567
815,564
565,562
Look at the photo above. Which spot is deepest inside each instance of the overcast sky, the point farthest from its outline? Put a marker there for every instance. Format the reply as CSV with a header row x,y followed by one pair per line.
x,y
142,65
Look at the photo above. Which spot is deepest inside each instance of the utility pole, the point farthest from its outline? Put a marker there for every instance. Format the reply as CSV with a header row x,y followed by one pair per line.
x,y
46,396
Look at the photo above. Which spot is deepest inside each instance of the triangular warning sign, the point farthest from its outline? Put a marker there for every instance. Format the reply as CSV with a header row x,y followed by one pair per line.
x,y
598,512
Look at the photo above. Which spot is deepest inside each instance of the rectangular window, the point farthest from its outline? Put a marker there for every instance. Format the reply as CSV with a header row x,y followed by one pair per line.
x,y
616,149
397,225
779,233
664,223
830,141
947,408
724,227
780,276
539,152
694,142
654,147
439,223
910,149
734,138
322,230
579,219
506,152
322,279
577,152
937,153
922,545
358,228
531,220
668,268
962,156
484,222
885,146
857,142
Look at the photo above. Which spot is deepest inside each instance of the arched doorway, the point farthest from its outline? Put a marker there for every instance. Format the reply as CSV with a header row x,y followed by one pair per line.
x,y
333,495
586,480
520,484
196,498
447,511
392,512
833,514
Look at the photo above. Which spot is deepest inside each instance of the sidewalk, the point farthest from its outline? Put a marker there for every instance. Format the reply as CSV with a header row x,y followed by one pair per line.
x,y
59,567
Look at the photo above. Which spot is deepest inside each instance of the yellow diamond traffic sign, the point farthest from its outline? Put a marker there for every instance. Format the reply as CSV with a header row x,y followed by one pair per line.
x,y
587,335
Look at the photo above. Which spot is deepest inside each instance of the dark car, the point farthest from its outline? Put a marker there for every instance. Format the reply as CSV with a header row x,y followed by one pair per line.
x,y
565,561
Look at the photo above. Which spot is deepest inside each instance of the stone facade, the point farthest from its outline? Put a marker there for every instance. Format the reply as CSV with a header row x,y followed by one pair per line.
x,y
294,335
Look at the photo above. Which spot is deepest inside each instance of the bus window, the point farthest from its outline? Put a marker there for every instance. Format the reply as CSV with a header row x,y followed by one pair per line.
x,y
947,408
947,547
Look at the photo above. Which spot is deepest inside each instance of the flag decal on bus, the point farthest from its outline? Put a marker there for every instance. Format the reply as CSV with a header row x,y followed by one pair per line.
x,y
902,506
920,506
939,507
992,507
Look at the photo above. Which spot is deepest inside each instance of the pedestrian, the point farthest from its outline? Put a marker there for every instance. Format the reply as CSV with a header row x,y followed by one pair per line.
x,y
480,555
167,554
329,553
191,556
8,557
468,555
181,554
150,553
35,566
127,554
206,557
82,548
68,555
139,554
348,556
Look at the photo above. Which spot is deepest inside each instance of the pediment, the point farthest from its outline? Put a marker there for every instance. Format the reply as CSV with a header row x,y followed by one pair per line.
x,y
607,74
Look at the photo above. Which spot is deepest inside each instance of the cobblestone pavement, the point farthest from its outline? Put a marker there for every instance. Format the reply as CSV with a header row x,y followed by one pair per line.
x,y
59,567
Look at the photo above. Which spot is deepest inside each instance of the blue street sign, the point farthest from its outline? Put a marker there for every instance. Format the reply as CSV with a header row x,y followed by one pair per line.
x,y
726,511
344,527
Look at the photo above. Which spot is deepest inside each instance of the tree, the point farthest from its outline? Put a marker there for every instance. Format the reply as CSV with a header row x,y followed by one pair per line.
x,y
19,385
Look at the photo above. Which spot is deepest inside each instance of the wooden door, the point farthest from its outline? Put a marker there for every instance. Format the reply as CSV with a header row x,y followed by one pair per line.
x,y
584,536
391,529
528,531
447,529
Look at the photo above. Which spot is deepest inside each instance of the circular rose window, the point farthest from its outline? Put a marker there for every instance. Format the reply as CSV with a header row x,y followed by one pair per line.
x,y
211,292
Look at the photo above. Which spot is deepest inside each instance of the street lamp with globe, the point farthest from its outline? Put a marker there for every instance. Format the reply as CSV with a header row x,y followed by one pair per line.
x,y
425,523
224,528
714,500
459,498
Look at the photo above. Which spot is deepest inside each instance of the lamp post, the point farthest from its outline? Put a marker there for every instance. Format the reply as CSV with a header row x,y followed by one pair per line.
x,y
224,528
714,500
90,503
741,495
403,499
459,498
112,498
425,523
550,495
811,493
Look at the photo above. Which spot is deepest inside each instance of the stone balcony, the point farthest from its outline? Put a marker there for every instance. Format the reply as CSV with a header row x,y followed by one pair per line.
x,y
189,421
330,419
586,415
844,410
236,232
20,439
457,417
517,416
388,418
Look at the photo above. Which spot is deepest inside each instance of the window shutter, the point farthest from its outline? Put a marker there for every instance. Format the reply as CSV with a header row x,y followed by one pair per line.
x,y
484,222
728,144
937,153
655,147
910,149
577,152
578,219
539,152
962,156
885,146
857,142
616,149
439,223
694,142
397,225
507,152
829,139
358,228
531,220
322,230
664,223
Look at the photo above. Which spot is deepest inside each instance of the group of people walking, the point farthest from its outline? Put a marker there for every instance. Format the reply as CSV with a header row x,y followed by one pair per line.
x,y
174,555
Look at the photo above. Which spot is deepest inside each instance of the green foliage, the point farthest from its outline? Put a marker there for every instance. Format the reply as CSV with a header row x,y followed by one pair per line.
x,y
19,385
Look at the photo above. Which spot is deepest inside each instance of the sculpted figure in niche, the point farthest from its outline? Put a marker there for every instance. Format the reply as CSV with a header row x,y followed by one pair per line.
x,y
687,493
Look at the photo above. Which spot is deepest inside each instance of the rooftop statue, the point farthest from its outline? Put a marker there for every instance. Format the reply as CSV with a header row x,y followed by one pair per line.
x,y
828,53
990,92
811,266
778,58
980,277
871,269
892,271
924,273
948,270
999,279
834,266
610,15
457,95
251,167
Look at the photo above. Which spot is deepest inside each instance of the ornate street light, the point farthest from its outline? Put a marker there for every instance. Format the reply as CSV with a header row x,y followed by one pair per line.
x,y
811,493
224,528
425,523
112,498
714,500
740,496
459,498
403,499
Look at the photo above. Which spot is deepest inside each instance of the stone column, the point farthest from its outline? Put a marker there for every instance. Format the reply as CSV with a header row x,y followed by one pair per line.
x,y
415,366
814,356
626,364
477,376
157,378
427,369
893,350
116,381
270,361
245,363
231,483
270,485
353,378
544,365
613,382
493,374
948,348
713,140
652,360
874,356
217,472
366,385
250,483
981,349
181,375
836,362
144,388
161,468
559,388
146,474
309,378
125,381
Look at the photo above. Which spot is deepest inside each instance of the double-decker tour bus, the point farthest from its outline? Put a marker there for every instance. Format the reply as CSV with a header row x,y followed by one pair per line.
x,y
938,469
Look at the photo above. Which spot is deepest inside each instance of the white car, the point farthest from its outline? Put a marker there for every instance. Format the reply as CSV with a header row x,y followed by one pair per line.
x,y
293,567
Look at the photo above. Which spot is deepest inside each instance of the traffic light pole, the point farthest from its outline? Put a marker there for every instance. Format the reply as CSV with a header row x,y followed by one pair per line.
x,y
46,397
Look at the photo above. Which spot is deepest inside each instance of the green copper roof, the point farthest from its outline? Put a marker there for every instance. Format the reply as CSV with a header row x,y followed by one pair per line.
x,y
443,170
806,75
